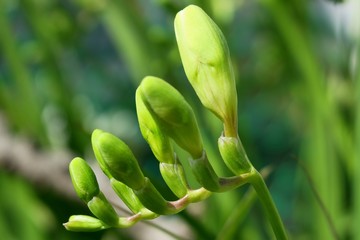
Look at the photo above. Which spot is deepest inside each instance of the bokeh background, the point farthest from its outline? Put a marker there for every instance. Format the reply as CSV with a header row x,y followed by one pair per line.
x,y
70,66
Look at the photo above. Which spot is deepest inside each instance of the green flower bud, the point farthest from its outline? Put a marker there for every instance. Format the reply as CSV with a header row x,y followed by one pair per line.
x,y
158,141
174,176
116,158
99,158
206,60
83,223
153,200
103,210
128,196
234,155
172,113
83,179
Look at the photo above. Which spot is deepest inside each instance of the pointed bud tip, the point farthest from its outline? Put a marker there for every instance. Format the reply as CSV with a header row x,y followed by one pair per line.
x,y
96,134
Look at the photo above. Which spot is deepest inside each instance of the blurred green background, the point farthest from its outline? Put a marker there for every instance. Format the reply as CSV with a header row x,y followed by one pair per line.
x,y
68,67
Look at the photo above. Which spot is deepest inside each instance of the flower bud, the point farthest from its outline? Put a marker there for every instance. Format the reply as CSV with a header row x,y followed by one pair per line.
x,y
116,158
158,141
83,223
128,196
174,176
103,210
172,113
83,179
234,155
206,60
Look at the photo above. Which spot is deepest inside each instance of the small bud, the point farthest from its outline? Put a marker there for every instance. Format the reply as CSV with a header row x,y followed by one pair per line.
x,y
128,196
206,60
99,158
234,155
83,223
116,158
103,210
158,141
174,176
83,179
172,113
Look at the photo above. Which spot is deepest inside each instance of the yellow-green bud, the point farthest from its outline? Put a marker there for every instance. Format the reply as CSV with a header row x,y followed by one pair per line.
x,y
116,158
83,179
172,113
206,60
83,223
99,158
158,141
174,176
103,210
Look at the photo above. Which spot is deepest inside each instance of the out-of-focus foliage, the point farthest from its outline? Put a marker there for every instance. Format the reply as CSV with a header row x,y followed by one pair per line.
x,y
68,67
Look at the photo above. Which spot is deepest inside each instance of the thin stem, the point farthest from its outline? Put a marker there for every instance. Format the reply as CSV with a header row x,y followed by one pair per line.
x,y
240,212
271,211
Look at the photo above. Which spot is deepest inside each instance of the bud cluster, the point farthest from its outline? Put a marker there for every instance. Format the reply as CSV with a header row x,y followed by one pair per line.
x,y
166,118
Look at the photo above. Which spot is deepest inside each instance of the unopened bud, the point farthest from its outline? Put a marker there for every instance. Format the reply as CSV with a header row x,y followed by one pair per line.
x,y
159,142
116,158
172,113
83,179
174,176
206,60
83,223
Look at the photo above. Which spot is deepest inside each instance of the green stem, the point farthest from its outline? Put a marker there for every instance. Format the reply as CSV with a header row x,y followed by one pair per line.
x,y
271,211
241,210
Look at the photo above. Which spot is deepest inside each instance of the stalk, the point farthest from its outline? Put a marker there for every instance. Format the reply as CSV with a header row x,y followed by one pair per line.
x,y
271,211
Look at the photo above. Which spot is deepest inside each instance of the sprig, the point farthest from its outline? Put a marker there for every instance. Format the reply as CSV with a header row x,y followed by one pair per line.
x,y
166,118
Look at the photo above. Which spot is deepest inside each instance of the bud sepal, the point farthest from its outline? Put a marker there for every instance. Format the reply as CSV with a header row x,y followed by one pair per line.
x,y
174,177
234,155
